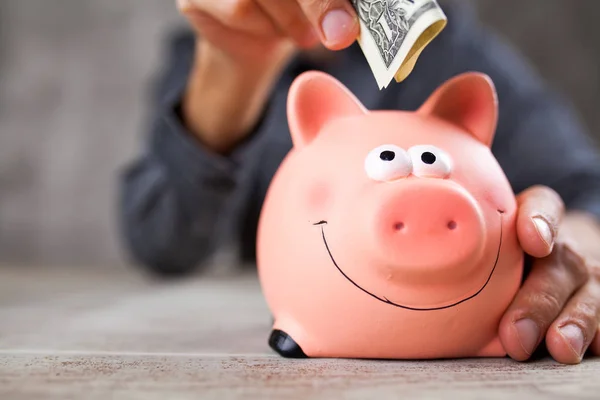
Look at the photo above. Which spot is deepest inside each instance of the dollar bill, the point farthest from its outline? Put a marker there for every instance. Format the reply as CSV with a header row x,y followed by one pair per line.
x,y
393,33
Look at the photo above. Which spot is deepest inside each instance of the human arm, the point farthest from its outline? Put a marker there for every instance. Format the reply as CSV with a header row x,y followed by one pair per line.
x,y
174,196
197,169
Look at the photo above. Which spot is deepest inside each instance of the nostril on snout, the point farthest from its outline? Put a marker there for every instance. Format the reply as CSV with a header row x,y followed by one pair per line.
x,y
399,226
452,225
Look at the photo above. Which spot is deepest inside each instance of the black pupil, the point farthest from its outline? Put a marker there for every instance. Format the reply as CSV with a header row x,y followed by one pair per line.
x,y
428,158
387,155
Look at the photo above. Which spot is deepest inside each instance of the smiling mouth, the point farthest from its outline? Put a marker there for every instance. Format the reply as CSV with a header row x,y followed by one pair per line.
x,y
387,301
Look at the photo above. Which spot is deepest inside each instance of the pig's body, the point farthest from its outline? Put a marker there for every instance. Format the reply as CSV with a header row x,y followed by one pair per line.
x,y
373,246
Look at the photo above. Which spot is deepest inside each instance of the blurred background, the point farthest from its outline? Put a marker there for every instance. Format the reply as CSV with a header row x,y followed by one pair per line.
x,y
74,80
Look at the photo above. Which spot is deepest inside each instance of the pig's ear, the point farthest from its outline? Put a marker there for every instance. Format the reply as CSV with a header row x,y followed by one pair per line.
x,y
314,99
468,100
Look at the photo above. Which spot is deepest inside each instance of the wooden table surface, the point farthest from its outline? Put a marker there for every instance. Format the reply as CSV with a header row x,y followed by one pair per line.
x,y
74,334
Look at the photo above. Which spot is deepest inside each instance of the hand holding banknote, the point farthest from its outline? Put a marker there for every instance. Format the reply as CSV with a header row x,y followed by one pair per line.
x,y
246,43
232,24
243,47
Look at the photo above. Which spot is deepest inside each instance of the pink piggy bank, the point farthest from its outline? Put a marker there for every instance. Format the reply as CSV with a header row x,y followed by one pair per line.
x,y
389,234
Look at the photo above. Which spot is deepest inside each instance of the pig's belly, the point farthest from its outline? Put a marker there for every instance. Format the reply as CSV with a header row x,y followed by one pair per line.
x,y
373,329
410,338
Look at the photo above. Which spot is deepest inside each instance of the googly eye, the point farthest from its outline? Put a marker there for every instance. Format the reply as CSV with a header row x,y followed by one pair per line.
x,y
388,162
430,161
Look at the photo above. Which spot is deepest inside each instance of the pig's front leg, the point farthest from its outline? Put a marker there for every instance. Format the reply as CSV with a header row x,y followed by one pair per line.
x,y
283,344
286,339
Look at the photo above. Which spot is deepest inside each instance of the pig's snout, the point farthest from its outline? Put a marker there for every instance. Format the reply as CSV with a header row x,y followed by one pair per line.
x,y
430,226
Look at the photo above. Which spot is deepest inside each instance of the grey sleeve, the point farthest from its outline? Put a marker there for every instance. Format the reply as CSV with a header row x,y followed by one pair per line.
x,y
176,197
540,139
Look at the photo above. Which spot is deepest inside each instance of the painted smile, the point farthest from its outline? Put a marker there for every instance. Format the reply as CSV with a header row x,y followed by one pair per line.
x,y
385,300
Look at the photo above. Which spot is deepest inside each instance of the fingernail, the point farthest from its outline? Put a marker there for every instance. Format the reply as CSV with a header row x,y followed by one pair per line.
x,y
574,336
337,25
544,230
528,333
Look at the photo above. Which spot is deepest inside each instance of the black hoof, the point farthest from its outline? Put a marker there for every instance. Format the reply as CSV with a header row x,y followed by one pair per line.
x,y
283,344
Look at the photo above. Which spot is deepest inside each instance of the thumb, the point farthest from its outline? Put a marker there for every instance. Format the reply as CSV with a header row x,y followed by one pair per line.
x,y
540,213
335,20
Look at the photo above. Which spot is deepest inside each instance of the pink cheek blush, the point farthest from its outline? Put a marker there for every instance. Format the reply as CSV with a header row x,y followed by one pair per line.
x,y
318,197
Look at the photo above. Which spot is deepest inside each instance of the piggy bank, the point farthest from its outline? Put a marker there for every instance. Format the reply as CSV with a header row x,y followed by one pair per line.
x,y
389,234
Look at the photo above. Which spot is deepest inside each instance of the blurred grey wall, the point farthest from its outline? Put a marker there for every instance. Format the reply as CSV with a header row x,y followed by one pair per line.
x,y
73,85
72,96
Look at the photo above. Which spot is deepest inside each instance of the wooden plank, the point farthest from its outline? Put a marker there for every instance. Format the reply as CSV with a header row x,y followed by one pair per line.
x,y
81,333
30,376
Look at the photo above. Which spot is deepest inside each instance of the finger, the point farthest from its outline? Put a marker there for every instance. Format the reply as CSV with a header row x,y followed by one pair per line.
x,y
572,332
288,17
242,15
540,212
550,284
334,20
